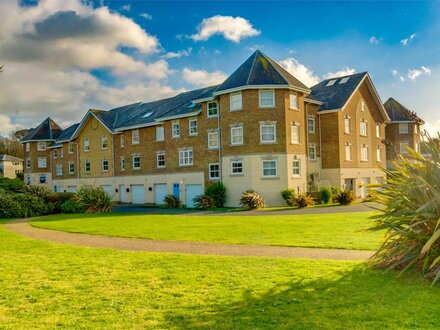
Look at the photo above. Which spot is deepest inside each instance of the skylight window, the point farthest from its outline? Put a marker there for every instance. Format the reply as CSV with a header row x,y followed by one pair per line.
x,y
148,114
331,82
344,80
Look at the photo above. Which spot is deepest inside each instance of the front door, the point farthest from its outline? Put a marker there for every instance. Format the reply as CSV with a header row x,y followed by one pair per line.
x,y
122,193
176,190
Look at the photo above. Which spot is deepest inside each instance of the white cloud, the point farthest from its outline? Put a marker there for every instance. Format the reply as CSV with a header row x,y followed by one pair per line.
x,y
397,75
202,77
299,71
126,7
373,40
255,47
343,72
433,128
405,41
413,74
232,28
178,54
146,16
7,127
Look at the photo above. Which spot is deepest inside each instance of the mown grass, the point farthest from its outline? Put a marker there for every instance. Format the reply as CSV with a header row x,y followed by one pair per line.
x,y
342,230
45,285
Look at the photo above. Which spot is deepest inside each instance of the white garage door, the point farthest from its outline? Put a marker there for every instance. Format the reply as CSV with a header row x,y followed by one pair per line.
x,y
108,189
160,191
137,194
192,191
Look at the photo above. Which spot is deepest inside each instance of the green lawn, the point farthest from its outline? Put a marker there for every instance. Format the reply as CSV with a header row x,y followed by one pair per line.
x,y
45,285
342,230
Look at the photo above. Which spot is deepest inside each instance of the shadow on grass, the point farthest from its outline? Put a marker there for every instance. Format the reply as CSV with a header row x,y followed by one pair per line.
x,y
360,298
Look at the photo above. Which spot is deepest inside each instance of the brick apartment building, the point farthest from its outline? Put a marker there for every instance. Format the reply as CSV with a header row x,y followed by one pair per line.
x,y
261,129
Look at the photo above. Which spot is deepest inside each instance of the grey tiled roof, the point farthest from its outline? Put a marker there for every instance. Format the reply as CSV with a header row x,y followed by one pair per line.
x,y
335,96
259,69
47,130
68,132
8,158
398,112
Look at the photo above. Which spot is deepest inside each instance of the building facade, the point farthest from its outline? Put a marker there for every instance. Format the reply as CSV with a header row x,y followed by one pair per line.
x,y
10,166
261,129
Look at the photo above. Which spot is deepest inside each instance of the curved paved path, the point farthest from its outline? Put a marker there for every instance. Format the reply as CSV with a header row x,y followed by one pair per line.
x,y
22,227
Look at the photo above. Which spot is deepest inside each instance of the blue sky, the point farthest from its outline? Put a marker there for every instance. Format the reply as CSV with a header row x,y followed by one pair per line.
x,y
63,57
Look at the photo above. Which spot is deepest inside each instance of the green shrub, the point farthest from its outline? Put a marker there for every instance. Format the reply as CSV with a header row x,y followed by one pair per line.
x,y
411,215
217,192
204,202
71,206
171,202
65,196
289,196
303,200
344,197
325,195
335,192
37,191
251,200
94,200
32,206
9,207
11,185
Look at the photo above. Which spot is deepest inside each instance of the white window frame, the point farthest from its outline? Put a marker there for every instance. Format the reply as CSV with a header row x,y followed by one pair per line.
x,y
271,168
122,163
294,127
312,147
59,169
135,137
403,128
122,141
274,140
103,161
104,142
363,129
362,106
160,133
237,162
348,152
62,152
41,146
42,162
213,136
417,146
238,136
191,130
28,146
158,160
296,167
86,145
175,129
70,148
209,109
378,154
236,105
378,130
364,153
186,157
55,153
311,124
264,101
134,167
293,101
347,125
402,149
87,162
71,168
210,170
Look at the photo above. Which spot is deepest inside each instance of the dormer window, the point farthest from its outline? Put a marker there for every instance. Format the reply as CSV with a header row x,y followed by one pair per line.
x,y
344,80
331,82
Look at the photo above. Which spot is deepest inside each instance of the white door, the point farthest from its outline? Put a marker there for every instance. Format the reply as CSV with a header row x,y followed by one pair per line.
x,y
71,189
192,191
137,194
122,194
364,190
60,188
160,191
108,189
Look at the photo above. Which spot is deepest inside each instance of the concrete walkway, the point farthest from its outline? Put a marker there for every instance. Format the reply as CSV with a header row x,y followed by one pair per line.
x,y
22,227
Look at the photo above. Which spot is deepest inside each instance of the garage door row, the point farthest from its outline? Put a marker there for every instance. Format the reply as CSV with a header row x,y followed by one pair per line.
x,y
160,190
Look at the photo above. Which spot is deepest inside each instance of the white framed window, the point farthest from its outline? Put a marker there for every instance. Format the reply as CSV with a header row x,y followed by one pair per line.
x,y
268,133
71,168
344,80
28,146
55,154
267,98
122,140
70,148
186,157
59,169
364,128
312,152
293,101
104,165
364,153
192,124
160,133
41,146
347,125
237,135
294,134
212,109
331,82
378,154
214,171
28,163
403,145
296,165
175,129
403,129
236,167
236,101
42,163
417,147
104,143
135,136
270,168
348,152
160,158
213,140
311,124
136,162
122,163
86,145
62,152
378,130
87,166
